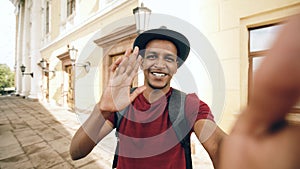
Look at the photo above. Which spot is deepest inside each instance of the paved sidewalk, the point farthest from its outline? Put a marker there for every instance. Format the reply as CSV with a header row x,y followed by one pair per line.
x,y
37,136
33,136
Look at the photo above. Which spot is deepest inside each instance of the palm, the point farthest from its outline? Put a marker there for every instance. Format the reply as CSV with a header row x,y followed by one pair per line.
x,y
117,95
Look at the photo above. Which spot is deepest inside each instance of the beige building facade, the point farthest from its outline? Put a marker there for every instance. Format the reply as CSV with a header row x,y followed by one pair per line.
x,y
240,32
48,29
101,30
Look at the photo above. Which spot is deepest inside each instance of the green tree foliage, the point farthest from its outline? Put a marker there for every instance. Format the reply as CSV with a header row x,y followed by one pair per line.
x,y
6,77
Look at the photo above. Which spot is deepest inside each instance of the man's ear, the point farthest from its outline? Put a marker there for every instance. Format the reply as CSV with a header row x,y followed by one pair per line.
x,y
176,68
178,63
142,64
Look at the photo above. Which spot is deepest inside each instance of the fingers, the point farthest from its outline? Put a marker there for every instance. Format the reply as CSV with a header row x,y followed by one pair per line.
x,y
129,63
135,69
136,60
128,52
122,66
115,65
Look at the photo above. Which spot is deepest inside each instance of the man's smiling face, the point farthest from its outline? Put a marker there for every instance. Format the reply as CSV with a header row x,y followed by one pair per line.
x,y
159,64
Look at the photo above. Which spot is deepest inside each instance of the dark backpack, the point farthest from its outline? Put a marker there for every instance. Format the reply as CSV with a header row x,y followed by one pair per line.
x,y
179,124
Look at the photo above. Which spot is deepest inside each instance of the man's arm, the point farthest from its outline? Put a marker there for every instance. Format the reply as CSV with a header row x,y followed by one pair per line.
x,y
114,98
94,129
277,81
261,138
210,136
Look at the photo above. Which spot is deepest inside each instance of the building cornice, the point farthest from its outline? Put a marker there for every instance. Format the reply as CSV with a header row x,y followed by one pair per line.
x,y
93,19
117,35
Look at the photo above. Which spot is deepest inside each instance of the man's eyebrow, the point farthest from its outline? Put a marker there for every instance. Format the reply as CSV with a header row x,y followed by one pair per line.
x,y
171,54
151,52
168,53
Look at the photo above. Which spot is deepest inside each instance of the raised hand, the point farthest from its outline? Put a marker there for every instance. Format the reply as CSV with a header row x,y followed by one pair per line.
x,y
117,95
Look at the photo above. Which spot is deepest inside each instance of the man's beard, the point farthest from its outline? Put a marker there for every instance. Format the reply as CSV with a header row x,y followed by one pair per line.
x,y
156,88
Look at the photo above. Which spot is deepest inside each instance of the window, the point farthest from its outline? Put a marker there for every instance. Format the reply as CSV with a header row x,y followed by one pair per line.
x,y
67,15
260,39
70,7
46,21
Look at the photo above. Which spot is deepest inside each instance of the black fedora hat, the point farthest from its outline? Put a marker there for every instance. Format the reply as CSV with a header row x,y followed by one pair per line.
x,y
180,41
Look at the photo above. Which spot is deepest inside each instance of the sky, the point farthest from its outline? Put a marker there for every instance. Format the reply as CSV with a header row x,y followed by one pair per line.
x,y
7,33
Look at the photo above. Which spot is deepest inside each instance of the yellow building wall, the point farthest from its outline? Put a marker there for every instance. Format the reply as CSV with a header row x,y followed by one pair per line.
x,y
87,8
88,89
225,23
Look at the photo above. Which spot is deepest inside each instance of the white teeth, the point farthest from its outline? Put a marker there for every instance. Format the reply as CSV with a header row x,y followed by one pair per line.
x,y
159,74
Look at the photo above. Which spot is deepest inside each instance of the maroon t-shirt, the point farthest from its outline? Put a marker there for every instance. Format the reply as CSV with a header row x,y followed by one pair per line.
x,y
147,139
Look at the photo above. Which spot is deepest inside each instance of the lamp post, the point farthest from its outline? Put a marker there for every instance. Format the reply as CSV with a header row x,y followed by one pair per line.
x,y
142,16
73,54
43,64
23,68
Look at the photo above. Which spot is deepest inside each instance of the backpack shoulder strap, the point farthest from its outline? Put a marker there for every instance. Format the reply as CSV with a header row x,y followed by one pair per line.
x,y
180,124
176,113
117,121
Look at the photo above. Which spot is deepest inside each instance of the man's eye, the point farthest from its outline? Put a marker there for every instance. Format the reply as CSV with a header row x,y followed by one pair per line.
x,y
151,56
169,59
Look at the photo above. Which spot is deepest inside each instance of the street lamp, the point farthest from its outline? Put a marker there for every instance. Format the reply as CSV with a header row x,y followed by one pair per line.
x,y
43,64
142,15
73,54
23,68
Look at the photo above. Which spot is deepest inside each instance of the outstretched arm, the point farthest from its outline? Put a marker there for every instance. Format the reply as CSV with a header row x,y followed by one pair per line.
x,y
114,98
261,138
277,81
210,136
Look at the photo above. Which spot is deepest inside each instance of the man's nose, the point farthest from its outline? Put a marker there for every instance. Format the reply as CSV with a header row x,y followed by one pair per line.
x,y
160,63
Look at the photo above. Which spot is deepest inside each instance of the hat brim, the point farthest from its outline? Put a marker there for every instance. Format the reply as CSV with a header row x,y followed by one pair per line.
x,y
180,41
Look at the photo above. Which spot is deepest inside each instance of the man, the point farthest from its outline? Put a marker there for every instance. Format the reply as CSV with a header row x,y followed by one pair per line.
x,y
147,137
263,138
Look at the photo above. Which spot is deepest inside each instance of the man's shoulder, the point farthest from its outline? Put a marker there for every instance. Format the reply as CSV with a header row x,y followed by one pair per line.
x,y
188,95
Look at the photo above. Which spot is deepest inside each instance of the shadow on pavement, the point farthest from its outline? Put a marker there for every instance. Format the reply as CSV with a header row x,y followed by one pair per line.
x,y
35,135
